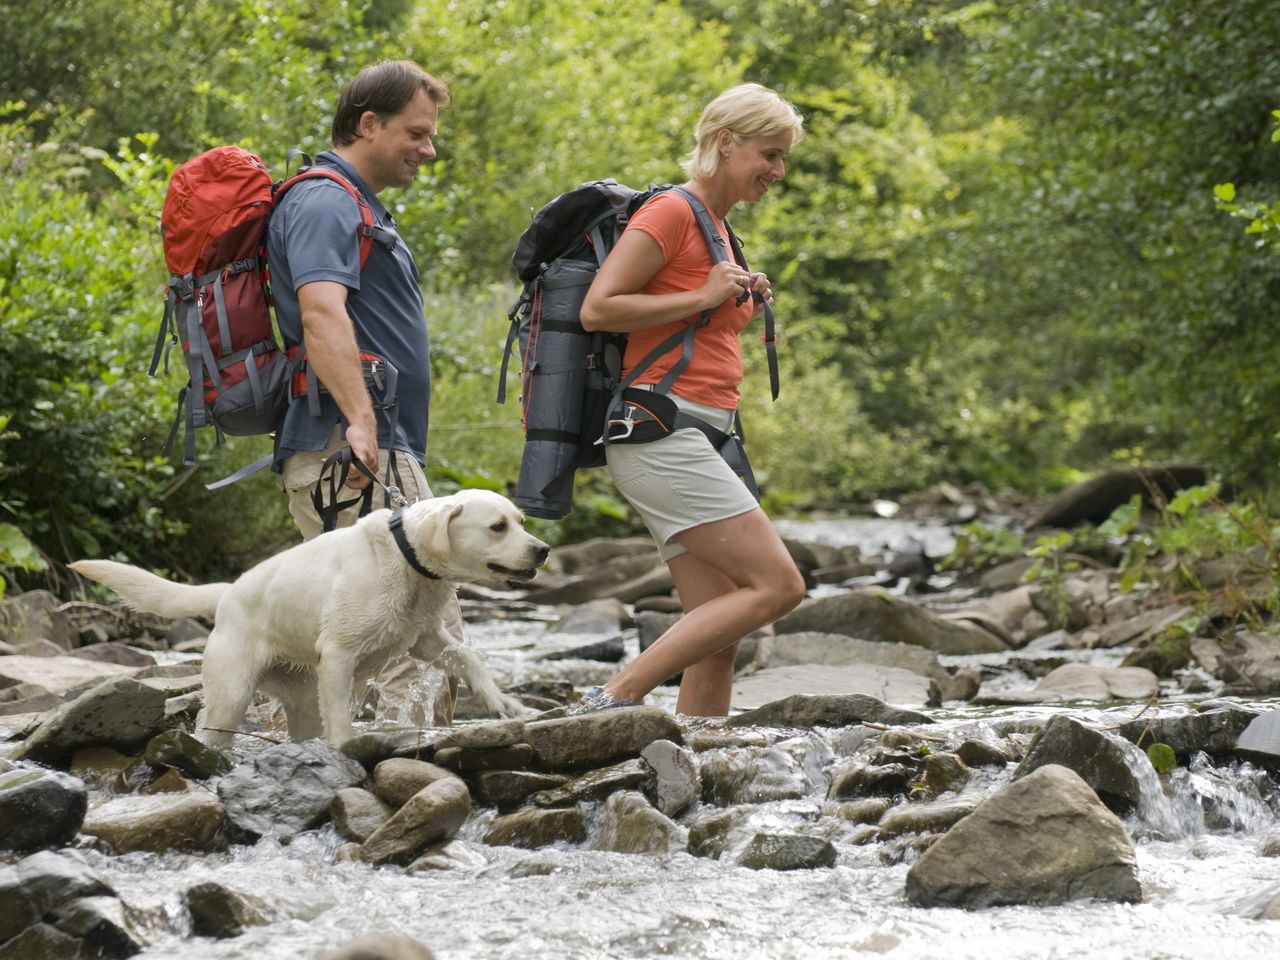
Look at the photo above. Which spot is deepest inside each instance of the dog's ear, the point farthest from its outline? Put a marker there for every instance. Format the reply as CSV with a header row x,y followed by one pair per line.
x,y
433,528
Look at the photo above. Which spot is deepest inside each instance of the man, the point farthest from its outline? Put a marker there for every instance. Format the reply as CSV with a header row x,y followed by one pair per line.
x,y
336,309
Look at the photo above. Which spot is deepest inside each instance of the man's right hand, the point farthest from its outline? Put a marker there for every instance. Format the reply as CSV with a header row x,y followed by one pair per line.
x,y
363,440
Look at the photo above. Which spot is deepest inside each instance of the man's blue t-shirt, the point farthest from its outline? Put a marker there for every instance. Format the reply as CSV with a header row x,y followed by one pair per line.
x,y
313,236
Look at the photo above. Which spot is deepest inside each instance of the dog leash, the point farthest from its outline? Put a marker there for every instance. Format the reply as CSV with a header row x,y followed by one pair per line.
x,y
335,467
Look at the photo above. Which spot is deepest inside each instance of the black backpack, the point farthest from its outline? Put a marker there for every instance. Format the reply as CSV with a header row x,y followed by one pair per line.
x,y
570,378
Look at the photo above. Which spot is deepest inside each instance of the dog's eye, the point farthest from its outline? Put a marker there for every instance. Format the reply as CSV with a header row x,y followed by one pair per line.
x,y
499,527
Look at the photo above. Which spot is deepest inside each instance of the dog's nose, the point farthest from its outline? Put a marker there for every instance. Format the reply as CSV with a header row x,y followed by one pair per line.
x,y
540,553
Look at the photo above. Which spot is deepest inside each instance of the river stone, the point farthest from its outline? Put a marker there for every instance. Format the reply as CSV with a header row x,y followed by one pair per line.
x,y
434,813
34,615
801,710
508,789
158,823
839,649
985,753
597,739
605,616
869,810
122,713
485,736
415,743
628,824
532,829
396,780
1147,623
759,775
937,816
58,674
596,784
591,554
41,941
721,738
710,830
1095,499
892,684
116,652
604,580
385,945
518,756
1083,681
791,851
1043,839
1215,730
191,756
40,808
102,925
879,616
221,913
1108,764
35,886
943,773
287,788
356,813
676,784
1260,740
872,780
450,855
1242,657
604,651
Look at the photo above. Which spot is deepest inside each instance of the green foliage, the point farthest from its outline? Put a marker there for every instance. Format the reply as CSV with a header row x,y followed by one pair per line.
x,y
1162,757
978,546
17,553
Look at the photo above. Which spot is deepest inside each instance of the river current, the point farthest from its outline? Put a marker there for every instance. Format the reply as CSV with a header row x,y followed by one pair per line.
x,y
1201,884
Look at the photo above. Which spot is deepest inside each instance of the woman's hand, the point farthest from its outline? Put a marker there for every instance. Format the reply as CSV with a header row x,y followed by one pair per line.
x,y
760,285
726,279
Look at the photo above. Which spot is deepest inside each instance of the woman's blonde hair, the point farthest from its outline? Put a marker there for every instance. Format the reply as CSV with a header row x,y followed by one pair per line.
x,y
747,110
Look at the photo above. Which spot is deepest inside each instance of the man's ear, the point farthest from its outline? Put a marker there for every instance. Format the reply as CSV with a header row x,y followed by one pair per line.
x,y
433,529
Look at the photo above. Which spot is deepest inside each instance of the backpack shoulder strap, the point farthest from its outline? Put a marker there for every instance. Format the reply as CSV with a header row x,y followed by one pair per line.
x,y
368,230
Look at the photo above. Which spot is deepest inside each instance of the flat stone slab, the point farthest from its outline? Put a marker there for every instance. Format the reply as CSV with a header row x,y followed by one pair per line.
x,y
59,674
890,684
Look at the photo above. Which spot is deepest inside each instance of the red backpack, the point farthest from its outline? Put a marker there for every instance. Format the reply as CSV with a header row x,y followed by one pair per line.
x,y
214,228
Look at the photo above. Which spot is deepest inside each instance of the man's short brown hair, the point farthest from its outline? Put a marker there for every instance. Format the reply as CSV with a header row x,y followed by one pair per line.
x,y
385,88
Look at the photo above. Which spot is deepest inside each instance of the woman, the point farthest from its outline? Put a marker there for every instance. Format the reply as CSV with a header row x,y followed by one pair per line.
x,y
730,567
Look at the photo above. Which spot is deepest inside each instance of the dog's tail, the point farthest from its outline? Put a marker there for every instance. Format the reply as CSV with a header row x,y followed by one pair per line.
x,y
151,594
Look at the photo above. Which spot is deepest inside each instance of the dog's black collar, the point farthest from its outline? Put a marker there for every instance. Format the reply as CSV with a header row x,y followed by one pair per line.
x,y
402,541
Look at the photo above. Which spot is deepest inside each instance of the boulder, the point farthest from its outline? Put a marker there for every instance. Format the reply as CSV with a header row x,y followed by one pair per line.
x,y
518,756
1113,767
40,808
101,925
771,851
711,831
434,813
884,618
286,789
58,674
509,789
1082,681
157,823
589,555
1213,728
416,743
676,784
937,816
628,824
123,713
610,578
450,855
1044,839
36,886
596,785
597,739
1260,740
755,775
179,750
385,945
36,615
531,828
115,652
611,650
1095,499
606,616
396,780
891,684
221,913
484,736
802,710
357,813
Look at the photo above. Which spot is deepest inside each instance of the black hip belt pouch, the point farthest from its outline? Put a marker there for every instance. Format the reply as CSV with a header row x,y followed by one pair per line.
x,y
640,416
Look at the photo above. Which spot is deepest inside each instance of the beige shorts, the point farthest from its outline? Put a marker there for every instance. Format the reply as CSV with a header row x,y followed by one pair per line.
x,y
302,470
679,482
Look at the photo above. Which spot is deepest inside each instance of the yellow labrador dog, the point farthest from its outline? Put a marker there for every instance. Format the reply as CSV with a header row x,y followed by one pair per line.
x,y
302,624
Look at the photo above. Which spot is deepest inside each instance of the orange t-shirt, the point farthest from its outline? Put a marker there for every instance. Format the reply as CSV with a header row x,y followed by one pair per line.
x,y
713,375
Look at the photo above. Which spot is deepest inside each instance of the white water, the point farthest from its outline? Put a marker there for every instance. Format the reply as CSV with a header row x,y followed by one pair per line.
x,y
574,904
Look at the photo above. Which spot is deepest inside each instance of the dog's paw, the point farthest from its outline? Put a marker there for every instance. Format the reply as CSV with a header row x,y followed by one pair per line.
x,y
508,707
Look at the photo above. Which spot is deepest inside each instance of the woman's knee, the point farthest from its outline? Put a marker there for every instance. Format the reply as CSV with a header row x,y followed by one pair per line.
x,y
787,591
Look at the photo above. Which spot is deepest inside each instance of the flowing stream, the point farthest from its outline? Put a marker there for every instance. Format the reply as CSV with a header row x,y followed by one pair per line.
x,y
1202,875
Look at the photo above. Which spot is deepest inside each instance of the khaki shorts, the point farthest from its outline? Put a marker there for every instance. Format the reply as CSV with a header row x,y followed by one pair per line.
x,y
679,482
302,470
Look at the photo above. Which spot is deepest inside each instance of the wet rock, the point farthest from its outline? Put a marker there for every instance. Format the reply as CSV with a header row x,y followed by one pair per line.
x,y
869,810
889,683
35,615
611,578
122,713
531,828
868,780
286,789
1270,846
881,617
719,738
34,887
1260,740
1246,658
597,739
825,711
451,855
650,625
1105,763
605,616
937,816
1082,681
558,691
964,684
838,649
221,913
104,768
611,650
676,784
590,554
415,743
1163,654
39,808
986,753
26,698
942,773
770,851
357,813
518,756
103,926
435,813
1214,730
758,775
1044,839
1149,623
115,652
596,785
628,824
58,674
387,945
486,736
1095,499
508,789
710,831
41,941
396,780
187,754
158,823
